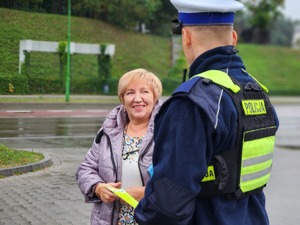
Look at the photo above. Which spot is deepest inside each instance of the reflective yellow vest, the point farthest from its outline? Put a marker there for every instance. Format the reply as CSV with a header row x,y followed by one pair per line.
x,y
246,168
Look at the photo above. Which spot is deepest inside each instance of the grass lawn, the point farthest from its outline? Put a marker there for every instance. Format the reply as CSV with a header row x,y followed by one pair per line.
x,y
12,157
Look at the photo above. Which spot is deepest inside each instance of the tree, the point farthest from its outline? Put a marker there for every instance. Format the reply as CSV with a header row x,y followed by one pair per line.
x,y
264,14
125,13
283,32
88,8
161,23
129,13
29,5
55,6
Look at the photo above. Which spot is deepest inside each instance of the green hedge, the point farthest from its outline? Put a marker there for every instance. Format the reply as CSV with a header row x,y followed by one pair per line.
x,y
20,84
13,84
92,85
85,85
169,85
81,85
46,85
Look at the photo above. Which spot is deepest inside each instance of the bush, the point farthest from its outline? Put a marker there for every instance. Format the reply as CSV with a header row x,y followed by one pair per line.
x,y
93,85
13,84
46,85
85,85
20,84
169,85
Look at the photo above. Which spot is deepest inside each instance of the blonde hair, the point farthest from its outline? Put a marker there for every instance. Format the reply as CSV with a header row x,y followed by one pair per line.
x,y
140,74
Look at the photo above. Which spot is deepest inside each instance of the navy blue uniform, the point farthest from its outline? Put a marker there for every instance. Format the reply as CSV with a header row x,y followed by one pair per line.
x,y
186,138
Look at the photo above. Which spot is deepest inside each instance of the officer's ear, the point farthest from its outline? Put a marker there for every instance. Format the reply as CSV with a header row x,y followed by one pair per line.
x,y
186,38
234,37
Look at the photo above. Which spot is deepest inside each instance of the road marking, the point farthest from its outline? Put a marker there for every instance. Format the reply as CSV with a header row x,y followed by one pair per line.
x,y
19,111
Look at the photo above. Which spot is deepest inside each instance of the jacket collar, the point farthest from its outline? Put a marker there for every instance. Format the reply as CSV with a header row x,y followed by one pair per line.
x,y
216,59
117,119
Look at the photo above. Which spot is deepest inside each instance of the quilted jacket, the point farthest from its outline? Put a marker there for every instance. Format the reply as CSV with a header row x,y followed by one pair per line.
x,y
103,163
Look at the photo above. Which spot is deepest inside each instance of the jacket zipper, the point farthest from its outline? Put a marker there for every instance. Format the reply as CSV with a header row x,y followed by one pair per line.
x,y
116,171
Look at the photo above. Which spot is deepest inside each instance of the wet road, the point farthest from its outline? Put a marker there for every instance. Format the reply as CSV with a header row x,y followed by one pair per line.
x,y
51,196
48,132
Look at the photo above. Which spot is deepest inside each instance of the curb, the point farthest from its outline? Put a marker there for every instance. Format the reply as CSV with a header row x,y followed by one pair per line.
x,y
46,162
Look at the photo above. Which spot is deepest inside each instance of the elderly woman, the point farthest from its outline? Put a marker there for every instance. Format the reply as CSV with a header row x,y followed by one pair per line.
x,y
122,150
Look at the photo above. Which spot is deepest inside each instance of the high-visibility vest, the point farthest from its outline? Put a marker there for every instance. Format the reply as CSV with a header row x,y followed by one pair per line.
x,y
246,168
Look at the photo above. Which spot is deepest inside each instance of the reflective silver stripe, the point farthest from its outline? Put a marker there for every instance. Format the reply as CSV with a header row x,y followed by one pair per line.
x,y
219,103
257,160
258,174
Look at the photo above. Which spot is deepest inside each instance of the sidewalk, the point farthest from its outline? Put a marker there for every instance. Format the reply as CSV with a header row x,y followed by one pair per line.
x,y
57,113
30,106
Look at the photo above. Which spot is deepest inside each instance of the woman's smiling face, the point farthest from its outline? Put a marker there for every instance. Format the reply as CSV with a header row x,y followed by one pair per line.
x,y
138,100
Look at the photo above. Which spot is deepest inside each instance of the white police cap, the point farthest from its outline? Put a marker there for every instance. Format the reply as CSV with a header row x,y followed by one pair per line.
x,y
205,12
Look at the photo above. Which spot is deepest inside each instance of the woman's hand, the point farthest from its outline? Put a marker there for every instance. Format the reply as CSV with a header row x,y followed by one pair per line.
x,y
104,194
136,192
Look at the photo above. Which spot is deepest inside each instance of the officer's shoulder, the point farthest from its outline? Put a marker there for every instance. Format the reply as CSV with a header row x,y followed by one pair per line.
x,y
197,86
186,86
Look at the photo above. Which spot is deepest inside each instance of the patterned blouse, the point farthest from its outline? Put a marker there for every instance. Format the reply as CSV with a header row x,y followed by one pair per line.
x,y
130,153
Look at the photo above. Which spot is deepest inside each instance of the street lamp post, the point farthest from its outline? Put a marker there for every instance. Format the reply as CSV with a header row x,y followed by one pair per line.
x,y
68,54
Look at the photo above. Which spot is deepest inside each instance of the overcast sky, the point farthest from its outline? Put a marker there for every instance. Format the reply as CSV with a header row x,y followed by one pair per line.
x,y
292,9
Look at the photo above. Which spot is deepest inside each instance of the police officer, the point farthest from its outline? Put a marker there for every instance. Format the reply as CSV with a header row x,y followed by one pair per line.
x,y
214,138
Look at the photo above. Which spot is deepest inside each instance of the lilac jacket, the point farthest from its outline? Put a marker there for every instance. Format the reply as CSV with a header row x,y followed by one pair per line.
x,y
102,166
